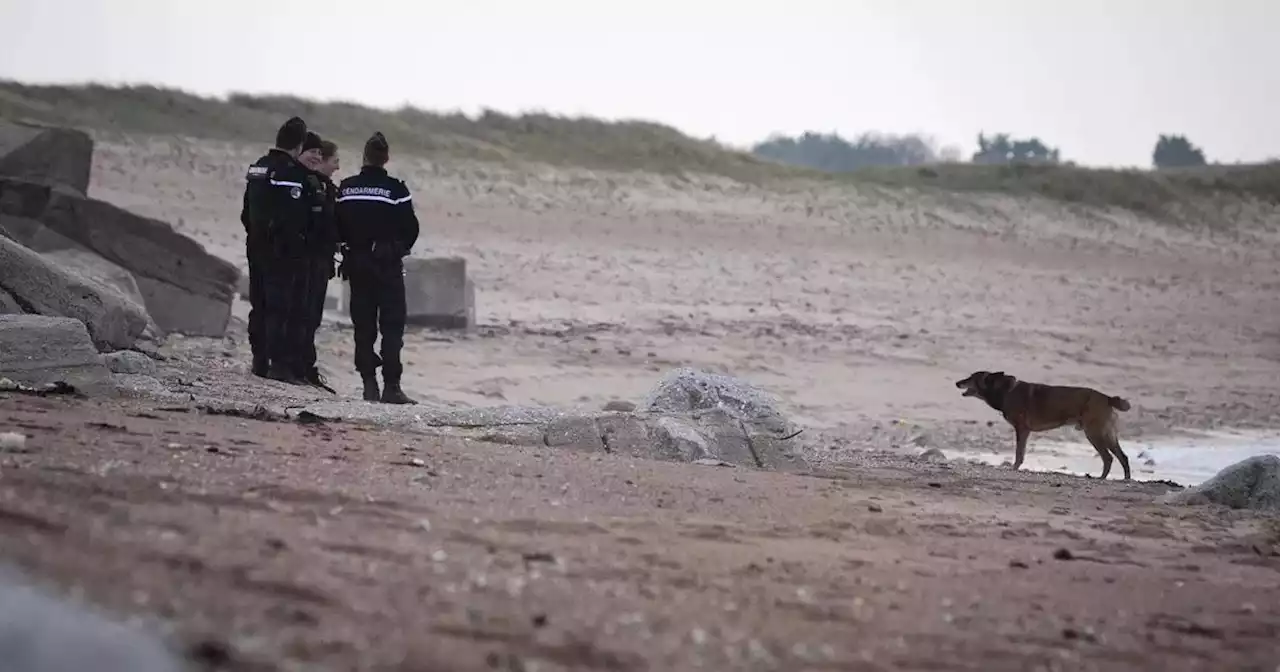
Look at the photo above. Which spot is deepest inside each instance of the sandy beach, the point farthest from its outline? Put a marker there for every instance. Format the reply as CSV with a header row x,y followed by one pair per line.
x,y
264,544
857,306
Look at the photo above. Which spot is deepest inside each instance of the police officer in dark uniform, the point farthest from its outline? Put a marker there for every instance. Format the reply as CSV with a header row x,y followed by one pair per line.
x,y
321,159
277,212
377,227
264,204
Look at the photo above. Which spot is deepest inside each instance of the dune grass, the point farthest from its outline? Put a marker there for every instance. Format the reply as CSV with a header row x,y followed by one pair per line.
x,y
594,144
492,136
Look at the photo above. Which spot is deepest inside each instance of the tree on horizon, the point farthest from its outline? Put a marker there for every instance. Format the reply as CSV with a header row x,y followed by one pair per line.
x,y
1176,151
1002,148
832,153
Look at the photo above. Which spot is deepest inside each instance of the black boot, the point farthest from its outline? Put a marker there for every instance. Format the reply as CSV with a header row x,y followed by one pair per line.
x,y
371,392
261,367
392,394
284,374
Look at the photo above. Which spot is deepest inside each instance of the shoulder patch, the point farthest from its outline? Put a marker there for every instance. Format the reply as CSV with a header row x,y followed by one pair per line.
x,y
257,173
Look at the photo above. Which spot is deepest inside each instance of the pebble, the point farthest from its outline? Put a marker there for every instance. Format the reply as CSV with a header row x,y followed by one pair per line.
x,y
13,442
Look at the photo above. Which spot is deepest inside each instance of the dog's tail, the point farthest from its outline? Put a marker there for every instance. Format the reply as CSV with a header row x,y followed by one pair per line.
x,y
1118,403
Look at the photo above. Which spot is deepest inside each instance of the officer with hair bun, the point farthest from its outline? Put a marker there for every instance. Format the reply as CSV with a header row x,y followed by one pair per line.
x,y
377,228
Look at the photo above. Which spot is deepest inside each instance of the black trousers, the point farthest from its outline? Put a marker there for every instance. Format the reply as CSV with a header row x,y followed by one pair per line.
x,y
257,308
319,271
378,306
284,327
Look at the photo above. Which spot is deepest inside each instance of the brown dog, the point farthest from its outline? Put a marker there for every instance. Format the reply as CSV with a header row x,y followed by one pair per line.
x,y
1035,407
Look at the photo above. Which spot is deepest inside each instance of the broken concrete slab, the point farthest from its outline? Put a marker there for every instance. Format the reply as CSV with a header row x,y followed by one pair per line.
x,y
36,236
711,436
48,155
41,287
575,432
628,434
186,289
72,256
513,435
39,350
129,362
683,439
714,434
89,265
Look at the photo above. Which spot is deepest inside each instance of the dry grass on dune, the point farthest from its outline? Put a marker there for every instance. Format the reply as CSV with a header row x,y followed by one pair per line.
x,y
591,143
596,144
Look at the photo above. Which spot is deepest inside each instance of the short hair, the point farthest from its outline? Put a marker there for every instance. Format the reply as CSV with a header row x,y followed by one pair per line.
x,y
292,134
328,149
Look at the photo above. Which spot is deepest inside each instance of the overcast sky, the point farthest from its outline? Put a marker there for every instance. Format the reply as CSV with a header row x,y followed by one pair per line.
x,y
1098,78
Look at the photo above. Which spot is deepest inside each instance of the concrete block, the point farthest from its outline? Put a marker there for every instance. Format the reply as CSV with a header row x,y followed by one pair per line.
x,y
438,293
38,350
55,156
186,289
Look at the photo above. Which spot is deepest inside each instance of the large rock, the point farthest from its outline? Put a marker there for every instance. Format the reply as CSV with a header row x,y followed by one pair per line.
x,y
438,293
1252,483
41,633
54,156
186,289
39,286
38,350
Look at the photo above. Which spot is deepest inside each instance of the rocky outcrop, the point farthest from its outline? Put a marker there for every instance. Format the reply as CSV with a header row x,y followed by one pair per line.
x,y
38,350
41,287
53,156
1252,483
186,289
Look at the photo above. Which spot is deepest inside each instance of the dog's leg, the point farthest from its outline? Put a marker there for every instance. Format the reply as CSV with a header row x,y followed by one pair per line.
x,y
1022,435
1100,442
1114,446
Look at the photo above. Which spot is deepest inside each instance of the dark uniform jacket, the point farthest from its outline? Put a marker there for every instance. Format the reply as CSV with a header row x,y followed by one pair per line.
x,y
278,202
376,220
322,234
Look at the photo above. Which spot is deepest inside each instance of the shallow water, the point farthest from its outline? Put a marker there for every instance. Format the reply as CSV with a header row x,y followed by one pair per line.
x,y
1187,460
